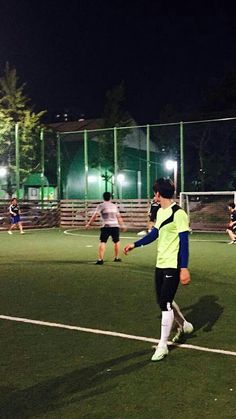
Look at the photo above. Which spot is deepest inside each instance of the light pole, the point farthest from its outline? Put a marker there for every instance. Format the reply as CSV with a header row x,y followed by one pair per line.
x,y
173,165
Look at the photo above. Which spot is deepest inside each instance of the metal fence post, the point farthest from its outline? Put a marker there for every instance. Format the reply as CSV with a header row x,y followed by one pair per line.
x,y
85,165
42,165
148,160
17,154
115,161
181,157
58,167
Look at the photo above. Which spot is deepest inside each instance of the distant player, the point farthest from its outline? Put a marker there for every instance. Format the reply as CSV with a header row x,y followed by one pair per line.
x,y
111,220
154,207
14,210
172,231
231,230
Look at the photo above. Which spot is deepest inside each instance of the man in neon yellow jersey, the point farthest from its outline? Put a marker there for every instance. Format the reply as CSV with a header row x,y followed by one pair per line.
x,y
172,231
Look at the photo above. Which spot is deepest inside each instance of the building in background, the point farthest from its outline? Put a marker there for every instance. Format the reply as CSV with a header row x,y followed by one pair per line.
x,y
132,155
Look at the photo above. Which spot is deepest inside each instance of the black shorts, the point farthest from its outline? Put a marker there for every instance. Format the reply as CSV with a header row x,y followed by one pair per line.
x,y
106,232
166,282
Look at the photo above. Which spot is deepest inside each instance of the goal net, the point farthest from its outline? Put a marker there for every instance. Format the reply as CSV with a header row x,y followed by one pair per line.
x,y
207,211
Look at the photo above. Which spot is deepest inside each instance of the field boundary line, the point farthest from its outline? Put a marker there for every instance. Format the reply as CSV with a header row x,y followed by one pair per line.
x,y
30,230
114,334
71,232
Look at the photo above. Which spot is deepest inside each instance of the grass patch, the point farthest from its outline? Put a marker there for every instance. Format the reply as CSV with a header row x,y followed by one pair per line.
x,y
54,373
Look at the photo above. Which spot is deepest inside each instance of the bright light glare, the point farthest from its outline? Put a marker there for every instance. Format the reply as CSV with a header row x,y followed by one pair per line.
x,y
3,171
121,178
170,164
92,179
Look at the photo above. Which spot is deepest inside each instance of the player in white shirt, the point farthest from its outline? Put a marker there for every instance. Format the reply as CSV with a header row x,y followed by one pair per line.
x,y
111,223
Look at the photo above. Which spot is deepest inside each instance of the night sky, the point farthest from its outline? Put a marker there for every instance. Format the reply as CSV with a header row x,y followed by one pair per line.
x,y
71,54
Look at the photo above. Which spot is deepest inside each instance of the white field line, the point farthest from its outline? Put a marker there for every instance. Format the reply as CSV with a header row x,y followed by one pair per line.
x,y
72,233
116,334
31,230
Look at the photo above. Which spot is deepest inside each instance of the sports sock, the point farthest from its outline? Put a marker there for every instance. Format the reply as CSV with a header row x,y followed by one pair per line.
x,y
166,325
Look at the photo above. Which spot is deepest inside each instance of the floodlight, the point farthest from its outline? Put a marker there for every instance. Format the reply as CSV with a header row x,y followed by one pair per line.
x,y
170,164
121,178
3,171
92,179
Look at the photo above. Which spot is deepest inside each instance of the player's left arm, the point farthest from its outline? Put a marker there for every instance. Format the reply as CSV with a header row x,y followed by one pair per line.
x,y
182,225
184,256
121,222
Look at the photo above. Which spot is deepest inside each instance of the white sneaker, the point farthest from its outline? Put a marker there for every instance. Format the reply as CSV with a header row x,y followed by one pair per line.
x,y
186,329
160,353
232,242
10,232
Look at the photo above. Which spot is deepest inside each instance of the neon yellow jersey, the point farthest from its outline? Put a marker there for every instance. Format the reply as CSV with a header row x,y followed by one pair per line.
x,y
170,222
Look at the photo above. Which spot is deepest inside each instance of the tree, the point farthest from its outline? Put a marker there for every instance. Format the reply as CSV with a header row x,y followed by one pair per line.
x,y
15,108
211,147
114,115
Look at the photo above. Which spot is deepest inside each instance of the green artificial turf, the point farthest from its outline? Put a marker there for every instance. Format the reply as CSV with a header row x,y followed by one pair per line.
x,y
55,373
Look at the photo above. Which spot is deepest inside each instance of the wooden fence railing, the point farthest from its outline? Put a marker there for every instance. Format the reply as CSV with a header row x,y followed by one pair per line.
x,y
34,214
73,213
76,212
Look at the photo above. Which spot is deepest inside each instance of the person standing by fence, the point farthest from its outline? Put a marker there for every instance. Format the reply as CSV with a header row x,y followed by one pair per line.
x,y
112,221
14,210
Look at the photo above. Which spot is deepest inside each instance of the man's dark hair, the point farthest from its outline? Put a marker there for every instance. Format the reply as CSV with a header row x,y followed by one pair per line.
x,y
165,187
106,196
231,205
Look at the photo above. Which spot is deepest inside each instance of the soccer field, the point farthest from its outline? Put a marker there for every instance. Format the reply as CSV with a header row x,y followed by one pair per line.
x,y
101,368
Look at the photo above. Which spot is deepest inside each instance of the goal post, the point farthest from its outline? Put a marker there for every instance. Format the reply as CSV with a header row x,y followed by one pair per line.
x,y
207,211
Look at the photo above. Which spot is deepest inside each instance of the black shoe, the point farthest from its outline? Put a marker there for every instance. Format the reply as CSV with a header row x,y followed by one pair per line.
x,y
117,260
99,262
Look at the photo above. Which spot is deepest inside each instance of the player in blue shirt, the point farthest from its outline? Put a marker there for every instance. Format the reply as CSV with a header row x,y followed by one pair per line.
x,y
14,210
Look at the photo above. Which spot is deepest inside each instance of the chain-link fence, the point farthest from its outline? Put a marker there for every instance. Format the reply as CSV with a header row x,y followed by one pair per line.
x,y
83,163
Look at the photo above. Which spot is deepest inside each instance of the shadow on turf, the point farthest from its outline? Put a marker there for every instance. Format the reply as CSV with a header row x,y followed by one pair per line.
x,y
70,388
203,315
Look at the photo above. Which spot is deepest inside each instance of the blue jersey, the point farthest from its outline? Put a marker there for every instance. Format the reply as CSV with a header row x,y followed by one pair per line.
x,y
14,210
15,213
233,216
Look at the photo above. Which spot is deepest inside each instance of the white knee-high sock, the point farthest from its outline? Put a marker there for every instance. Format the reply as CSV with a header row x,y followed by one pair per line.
x,y
166,325
178,316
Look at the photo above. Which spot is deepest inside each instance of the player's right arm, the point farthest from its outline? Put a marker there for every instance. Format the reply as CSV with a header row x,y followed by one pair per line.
x,y
149,238
92,219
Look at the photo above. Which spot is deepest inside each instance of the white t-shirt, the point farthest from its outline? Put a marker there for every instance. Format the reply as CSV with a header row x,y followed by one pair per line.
x,y
109,213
